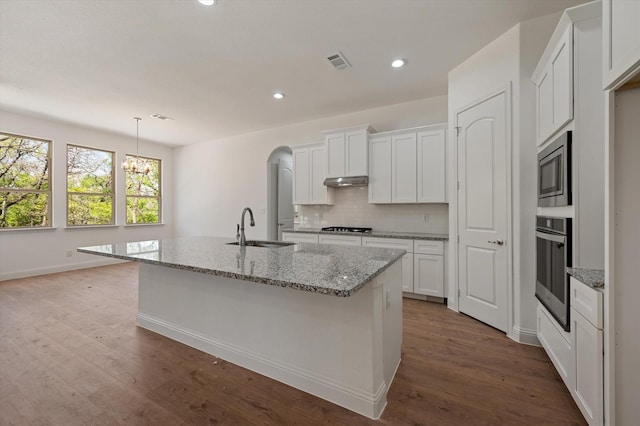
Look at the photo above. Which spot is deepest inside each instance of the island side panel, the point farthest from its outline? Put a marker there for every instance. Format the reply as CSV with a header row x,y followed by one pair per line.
x,y
391,281
329,346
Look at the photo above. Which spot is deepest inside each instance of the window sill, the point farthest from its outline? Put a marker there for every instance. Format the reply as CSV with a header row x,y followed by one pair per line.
x,y
41,228
90,226
133,225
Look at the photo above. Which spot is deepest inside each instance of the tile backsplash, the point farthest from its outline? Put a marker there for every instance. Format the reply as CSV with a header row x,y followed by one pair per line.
x,y
352,208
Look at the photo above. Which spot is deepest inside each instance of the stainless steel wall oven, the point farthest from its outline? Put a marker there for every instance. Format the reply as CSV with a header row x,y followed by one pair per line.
x,y
553,256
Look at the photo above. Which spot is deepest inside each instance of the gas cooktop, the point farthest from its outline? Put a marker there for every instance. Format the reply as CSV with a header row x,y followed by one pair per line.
x,y
347,229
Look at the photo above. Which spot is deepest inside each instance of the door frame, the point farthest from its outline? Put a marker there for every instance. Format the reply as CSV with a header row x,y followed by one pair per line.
x,y
272,189
454,279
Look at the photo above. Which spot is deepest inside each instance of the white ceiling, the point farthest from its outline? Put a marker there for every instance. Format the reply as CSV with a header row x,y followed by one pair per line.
x,y
213,69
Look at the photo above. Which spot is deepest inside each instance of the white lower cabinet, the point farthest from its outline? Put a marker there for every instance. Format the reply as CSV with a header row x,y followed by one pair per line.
x,y
428,268
340,240
578,355
423,266
557,344
588,351
428,274
298,237
407,259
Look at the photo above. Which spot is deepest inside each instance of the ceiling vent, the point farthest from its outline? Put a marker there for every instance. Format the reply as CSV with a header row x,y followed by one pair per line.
x,y
339,61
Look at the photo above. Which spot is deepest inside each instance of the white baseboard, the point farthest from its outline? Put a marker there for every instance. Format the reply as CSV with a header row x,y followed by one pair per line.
x,y
525,336
366,404
57,268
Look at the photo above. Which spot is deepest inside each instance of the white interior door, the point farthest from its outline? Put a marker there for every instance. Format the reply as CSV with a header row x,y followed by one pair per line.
x,y
483,211
285,195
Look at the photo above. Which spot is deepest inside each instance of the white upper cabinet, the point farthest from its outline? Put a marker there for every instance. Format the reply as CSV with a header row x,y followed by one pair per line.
x,y
380,169
403,168
408,166
621,34
554,85
432,160
301,175
347,151
309,168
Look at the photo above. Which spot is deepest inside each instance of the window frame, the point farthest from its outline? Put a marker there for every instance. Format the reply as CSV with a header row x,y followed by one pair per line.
x,y
112,222
158,197
48,193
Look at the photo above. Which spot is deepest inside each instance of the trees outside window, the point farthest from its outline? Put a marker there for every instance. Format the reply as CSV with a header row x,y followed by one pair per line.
x,y
144,192
25,182
90,186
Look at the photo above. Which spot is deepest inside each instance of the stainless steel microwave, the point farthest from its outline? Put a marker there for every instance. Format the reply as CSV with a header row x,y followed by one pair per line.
x,y
554,173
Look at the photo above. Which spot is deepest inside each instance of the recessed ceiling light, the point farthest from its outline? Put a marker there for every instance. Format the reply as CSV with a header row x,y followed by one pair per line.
x,y
398,63
207,2
278,95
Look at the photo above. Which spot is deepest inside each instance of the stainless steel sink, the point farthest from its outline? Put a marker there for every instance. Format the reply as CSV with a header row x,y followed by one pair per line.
x,y
264,244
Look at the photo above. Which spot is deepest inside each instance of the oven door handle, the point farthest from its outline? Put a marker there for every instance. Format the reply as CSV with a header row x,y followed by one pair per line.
x,y
551,237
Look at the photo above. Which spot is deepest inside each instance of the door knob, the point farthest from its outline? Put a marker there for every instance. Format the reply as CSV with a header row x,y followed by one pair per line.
x,y
498,242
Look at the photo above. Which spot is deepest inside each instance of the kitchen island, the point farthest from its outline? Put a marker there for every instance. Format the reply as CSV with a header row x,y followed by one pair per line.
x,y
324,319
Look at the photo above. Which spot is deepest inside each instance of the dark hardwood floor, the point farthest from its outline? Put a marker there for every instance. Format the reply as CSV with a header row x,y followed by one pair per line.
x,y
70,354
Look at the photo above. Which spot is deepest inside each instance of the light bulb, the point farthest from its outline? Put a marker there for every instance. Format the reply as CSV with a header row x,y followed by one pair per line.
x,y
207,2
398,63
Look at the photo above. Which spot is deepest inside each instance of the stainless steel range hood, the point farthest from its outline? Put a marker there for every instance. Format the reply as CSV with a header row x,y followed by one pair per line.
x,y
347,181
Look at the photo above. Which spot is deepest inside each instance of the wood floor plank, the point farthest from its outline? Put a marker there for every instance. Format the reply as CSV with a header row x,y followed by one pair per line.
x,y
71,354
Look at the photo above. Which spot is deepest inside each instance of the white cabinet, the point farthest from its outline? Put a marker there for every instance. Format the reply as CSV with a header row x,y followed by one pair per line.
x,y
428,268
299,237
380,169
587,348
408,166
621,33
340,240
553,79
432,160
557,343
407,259
347,151
404,168
309,174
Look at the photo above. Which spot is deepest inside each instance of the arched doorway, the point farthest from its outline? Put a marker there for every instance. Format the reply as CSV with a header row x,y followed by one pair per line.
x,y
279,192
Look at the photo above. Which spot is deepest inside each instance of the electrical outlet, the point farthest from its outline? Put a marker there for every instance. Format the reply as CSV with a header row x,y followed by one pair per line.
x,y
426,218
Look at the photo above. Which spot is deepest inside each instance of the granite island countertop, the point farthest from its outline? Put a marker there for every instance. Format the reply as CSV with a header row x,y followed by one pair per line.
x,y
594,278
326,269
377,234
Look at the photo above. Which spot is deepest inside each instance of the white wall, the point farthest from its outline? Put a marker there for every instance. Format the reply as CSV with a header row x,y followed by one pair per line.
x,y
216,180
508,62
41,251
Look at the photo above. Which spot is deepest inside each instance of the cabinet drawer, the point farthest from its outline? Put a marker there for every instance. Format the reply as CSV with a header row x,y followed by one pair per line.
x,y
556,343
587,301
300,238
391,243
428,247
340,240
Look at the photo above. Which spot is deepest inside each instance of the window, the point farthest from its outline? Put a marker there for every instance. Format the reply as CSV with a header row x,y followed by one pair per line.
x,y
90,186
143,191
25,182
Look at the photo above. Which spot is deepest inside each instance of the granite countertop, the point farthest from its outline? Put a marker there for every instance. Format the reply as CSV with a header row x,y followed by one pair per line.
x,y
377,234
594,278
326,269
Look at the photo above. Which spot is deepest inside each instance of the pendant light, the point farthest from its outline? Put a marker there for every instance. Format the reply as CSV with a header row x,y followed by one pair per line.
x,y
134,166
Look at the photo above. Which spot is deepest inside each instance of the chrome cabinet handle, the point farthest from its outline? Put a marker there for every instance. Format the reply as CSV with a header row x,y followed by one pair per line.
x,y
498,242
